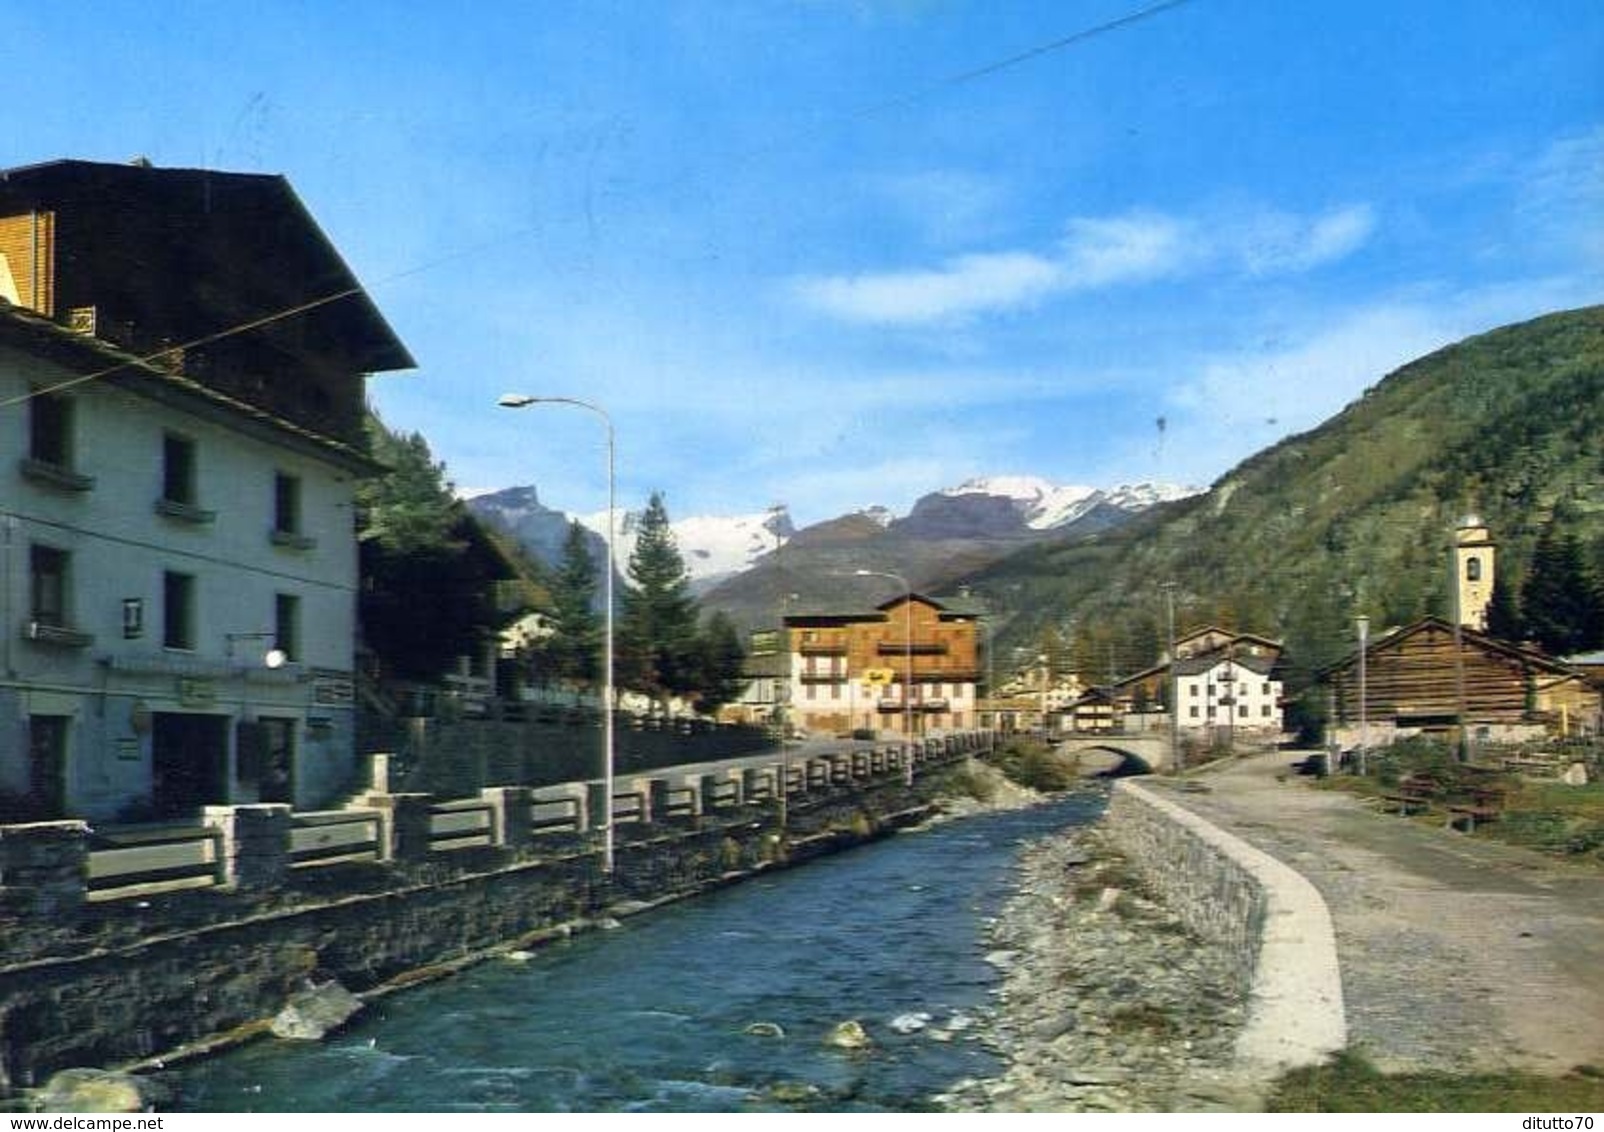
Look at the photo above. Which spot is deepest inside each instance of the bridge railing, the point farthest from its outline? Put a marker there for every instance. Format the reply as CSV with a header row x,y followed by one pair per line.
x,y
47,867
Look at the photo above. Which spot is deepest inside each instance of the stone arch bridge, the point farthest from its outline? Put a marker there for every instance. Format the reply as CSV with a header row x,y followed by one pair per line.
x,y
1123,754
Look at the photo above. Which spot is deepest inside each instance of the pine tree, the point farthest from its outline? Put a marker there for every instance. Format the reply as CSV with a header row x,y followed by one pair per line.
x,y
1561,600
722,661
573,651
426,597
657,647
1503,614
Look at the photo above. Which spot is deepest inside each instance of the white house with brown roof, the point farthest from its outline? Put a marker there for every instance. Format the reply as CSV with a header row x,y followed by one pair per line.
x,y
178,567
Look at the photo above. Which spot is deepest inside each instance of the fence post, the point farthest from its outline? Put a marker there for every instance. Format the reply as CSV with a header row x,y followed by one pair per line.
x,y
654,800
380,774
255,852
511,808
44,867
403,824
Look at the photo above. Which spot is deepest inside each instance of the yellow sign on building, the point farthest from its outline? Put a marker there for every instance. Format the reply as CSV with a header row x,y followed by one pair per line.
x,y
877,677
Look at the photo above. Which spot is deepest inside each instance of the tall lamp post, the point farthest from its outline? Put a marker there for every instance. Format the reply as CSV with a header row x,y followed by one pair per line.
x,y
520,401
907,667
782,687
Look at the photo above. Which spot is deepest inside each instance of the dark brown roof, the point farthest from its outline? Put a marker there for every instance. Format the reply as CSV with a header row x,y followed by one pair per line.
x,y
243,245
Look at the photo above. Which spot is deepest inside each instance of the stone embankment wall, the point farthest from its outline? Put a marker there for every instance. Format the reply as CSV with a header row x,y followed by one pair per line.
x,y
1238,897
118,983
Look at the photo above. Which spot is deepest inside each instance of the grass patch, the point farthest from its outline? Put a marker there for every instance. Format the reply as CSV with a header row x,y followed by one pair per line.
x,y
1035,766
1349,1083
1537,813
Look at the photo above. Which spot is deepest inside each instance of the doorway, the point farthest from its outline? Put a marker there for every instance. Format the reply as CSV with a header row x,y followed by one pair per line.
x,y
189,763
266,759
47,765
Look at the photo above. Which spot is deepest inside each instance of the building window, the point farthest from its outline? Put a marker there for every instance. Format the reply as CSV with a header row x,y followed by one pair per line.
x,y
48,570
1473,569
50,444
50,429
1242,711
286,504
178,469
1265,711
1193,711
178,610
287,625
287,513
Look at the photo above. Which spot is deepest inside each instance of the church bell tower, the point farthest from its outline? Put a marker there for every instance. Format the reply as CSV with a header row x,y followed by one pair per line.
x,y
1474,552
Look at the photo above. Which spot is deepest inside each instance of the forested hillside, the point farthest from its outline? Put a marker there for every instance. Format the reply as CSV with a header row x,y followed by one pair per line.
x,y
1355,516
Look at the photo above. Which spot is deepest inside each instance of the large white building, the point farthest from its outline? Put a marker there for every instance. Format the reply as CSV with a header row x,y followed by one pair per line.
x,y
178,570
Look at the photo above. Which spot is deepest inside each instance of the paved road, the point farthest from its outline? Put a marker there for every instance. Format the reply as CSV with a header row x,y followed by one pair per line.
x,y
1457,953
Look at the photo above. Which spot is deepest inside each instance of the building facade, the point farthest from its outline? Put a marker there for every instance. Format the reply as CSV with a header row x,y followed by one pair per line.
x,y
1225,682
1433,677
907,666
178,567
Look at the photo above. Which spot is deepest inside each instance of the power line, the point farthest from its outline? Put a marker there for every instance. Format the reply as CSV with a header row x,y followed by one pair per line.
x,y
959,78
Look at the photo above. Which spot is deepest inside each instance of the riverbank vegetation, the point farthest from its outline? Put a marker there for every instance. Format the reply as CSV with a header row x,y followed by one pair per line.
x,y
1541,813
1349,1083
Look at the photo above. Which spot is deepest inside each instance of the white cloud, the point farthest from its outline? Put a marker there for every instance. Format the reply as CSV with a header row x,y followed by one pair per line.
x,y
1276,244
1563,194
963,286
1124,249
1095,253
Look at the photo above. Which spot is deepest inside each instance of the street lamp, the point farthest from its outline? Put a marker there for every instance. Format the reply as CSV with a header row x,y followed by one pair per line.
x,y
782,687
907,668
520,401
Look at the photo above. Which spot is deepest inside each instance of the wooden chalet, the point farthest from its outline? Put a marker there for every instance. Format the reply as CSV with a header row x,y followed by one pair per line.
x,y
1415,681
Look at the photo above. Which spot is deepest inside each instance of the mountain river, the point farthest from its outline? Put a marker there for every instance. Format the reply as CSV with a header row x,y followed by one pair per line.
x,y
658,1015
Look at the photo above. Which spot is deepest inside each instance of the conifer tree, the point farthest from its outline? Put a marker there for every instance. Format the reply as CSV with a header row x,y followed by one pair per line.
x,y
722,660
1561,599
426,598
573,652
658,650
1503,614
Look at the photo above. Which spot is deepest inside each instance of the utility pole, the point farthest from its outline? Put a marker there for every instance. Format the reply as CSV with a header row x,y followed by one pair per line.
x,y
1175,704
1364,717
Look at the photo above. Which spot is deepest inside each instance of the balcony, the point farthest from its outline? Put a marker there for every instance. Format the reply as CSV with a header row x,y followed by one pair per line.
x,y
823,648
917,648
61,636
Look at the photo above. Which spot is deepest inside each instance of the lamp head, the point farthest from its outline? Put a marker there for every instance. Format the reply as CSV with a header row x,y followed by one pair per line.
x,y
275,658
515,400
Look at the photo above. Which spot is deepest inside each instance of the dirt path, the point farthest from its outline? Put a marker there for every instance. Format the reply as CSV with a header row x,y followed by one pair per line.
x,y
1456,953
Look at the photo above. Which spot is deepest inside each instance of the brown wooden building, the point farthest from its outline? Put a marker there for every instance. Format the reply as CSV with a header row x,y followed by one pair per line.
x,y
1417,680
860,670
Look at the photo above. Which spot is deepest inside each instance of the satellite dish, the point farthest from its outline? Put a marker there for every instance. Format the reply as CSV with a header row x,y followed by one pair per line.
x,y
275,658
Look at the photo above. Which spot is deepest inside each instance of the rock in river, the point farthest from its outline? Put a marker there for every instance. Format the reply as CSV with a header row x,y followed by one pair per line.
x,y
849,1035
316,1011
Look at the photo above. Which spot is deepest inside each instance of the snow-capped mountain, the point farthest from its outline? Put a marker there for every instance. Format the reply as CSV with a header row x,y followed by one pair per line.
x,y
1045,506
713,546
717,547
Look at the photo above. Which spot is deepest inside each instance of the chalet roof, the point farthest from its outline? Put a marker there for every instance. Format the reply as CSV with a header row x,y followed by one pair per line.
x,y
1528,655
97,359
242,243
951,609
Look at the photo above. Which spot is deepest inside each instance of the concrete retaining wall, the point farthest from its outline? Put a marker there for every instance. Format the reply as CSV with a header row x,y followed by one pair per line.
x,y
1235,895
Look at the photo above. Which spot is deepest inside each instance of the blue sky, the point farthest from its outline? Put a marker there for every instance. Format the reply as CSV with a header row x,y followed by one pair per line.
x,y
836,253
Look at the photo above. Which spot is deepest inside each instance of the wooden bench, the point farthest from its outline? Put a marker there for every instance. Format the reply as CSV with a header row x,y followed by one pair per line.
x,y
1537,765
1414,792
1483,805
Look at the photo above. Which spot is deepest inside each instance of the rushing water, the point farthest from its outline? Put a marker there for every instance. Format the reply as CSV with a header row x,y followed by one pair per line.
x,y
653,1016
